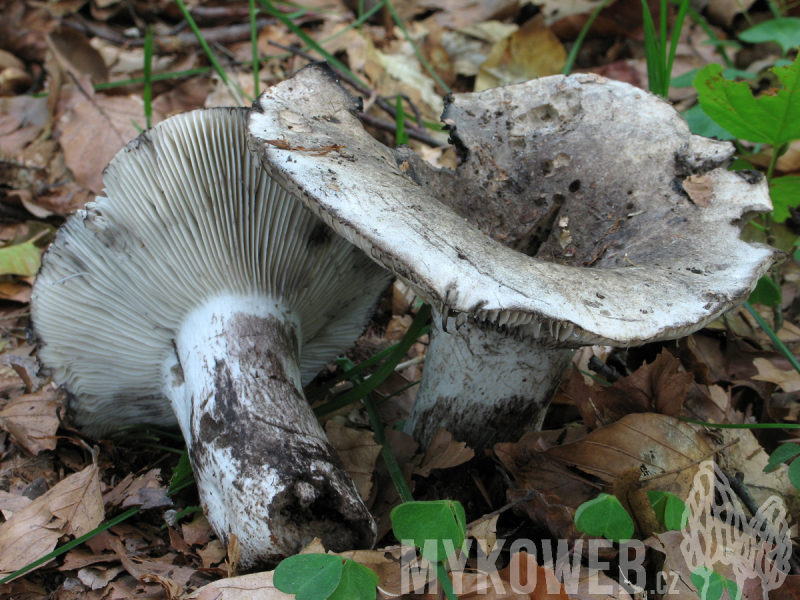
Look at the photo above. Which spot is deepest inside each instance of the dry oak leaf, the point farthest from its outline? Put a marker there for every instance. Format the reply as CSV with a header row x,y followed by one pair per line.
x,y
32,419
93,127
655,443
444,453
74,506
358,451
656,387
788,381
246,587
145,491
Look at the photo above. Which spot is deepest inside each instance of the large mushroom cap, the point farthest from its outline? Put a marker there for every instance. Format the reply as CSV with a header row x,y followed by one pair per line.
x,y
569,217
189,216
200,292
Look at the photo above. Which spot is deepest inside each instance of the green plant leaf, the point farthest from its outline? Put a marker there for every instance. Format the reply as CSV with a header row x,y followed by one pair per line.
x,y
794,473
604,516
765,292
701,124
709,584
782,453
670,510
785,32
358,583
740,164
21,259
437,521
784,192
772,118
309,576
734,593
182,471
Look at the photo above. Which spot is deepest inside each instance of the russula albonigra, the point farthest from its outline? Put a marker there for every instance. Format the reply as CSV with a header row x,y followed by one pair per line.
x,y
583,212
200,293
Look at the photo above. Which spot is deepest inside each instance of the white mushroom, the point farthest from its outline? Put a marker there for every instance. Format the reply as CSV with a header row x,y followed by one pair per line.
x,y
565,225
200,293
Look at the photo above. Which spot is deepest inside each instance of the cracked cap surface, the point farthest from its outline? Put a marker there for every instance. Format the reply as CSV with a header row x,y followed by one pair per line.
x,y
584,210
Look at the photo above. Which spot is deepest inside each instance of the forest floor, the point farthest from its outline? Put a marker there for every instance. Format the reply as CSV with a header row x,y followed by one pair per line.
x,y
72,94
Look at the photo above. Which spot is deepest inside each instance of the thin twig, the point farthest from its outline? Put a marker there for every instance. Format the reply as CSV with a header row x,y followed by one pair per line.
x,y
392,127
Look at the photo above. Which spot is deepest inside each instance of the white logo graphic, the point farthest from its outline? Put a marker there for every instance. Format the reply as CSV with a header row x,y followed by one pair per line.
x,y
718,534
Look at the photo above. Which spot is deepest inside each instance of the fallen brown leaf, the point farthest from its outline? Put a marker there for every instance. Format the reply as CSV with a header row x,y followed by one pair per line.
x,y
358,451
444,453
32,419
145,491
244,587
74,506
656,443
788,381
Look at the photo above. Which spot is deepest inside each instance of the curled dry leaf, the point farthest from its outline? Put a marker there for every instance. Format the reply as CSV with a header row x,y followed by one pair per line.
x,y
145,491
444,453
74,506
699,188
32,419
358,451
656,443
245,587
788,381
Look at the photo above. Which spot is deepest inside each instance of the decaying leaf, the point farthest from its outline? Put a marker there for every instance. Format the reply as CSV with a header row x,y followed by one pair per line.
x,y
32,419
244,587
146,491
74,506
788,381
358,451
443,453
655,443
700,189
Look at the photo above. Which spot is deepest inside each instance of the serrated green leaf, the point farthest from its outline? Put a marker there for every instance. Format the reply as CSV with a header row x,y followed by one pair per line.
x,y
604,516
429,524
670,510
782,453
358,583
765,292
309,576
20,259
701,124
785,32
772,118
709,584
784,192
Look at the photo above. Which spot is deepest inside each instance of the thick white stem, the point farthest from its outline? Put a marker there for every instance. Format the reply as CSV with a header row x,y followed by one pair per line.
x,y
484,385
265,470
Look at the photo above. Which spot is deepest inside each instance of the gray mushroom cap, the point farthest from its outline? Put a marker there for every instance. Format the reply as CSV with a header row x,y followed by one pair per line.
x,y
568,218
189,216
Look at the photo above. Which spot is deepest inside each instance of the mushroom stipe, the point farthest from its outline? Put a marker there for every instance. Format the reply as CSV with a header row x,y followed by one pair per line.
x,y
212,296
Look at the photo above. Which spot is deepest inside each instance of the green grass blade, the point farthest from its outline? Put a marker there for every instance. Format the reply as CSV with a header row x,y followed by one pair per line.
x,y
382,372
651,48
712,35
776,342
573,52
349,374
254,42
399,22
400,135
673,48
237,93
309,41
741,425
70,545
148,77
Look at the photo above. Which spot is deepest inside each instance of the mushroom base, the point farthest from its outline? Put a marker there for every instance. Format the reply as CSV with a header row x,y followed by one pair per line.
x,y
265,470
483,385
